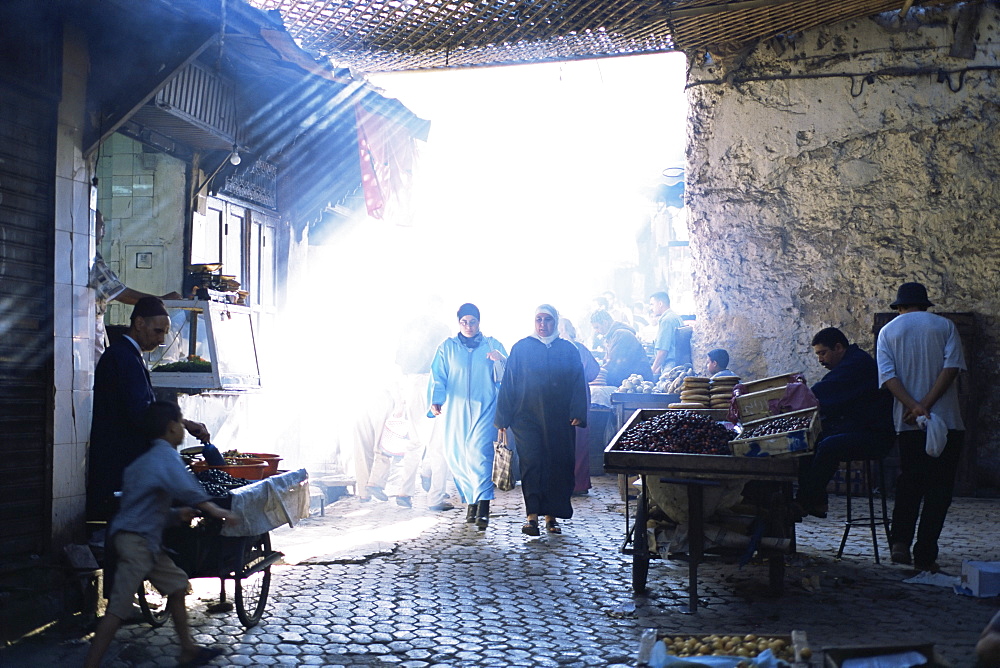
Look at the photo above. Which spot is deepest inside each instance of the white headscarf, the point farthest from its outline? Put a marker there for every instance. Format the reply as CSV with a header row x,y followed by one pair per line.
x,y
551,310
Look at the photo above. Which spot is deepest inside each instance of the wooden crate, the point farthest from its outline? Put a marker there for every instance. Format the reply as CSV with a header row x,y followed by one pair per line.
x,y
768,383
797,442
754,406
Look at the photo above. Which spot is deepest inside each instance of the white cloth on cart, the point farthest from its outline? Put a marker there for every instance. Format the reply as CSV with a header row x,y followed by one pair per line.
x,y
601,395
269,503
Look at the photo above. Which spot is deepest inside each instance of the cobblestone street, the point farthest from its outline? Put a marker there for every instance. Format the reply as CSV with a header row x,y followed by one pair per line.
x,y
376,584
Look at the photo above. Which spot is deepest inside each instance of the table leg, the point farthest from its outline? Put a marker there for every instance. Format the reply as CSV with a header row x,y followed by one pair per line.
x,y
696,543
779,520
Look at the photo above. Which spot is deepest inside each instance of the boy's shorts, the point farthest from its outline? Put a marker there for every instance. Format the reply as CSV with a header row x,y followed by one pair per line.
x,y
136,562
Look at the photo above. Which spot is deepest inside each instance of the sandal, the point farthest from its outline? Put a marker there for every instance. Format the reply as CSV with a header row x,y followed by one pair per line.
x,y
531,528
552,526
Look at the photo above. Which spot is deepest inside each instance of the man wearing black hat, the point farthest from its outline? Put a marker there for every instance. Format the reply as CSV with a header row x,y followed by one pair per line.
x,y
919,357
122,393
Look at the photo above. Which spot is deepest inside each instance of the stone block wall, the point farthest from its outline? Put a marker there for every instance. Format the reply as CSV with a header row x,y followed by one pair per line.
x,y
827,168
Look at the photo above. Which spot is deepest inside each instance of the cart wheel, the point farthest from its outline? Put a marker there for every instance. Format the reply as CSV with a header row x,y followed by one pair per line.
x,y
252,585
153,605
640,546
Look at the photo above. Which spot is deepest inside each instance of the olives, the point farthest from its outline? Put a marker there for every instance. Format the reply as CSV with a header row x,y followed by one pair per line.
x,y
677,431
218,483
778,425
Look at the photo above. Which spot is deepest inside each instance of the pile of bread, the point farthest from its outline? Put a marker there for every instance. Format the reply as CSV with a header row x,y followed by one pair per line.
x,y
701,392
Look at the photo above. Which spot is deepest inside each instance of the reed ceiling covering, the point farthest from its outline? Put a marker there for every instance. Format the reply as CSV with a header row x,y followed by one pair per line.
x,y
394,35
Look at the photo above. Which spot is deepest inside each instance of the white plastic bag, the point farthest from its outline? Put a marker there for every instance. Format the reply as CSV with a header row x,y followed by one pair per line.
x,y
937,433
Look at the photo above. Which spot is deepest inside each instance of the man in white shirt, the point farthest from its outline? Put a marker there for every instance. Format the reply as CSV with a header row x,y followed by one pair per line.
x,y
919,357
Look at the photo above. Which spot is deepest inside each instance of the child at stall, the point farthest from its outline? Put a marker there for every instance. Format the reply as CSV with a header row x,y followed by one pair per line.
x,y
150,485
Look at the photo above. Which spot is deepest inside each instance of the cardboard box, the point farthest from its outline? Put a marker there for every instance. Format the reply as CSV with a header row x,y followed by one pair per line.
x,y
653,636
981,578
836,656
768,383
797,442
755,406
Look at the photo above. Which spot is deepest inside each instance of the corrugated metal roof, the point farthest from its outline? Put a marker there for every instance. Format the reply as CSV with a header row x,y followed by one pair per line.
x,y
393,35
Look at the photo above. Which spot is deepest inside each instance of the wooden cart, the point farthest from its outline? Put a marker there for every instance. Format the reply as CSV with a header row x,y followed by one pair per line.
x,y
695,472
202,553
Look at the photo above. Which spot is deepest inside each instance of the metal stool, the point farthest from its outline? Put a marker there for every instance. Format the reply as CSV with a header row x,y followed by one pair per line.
x,y
872,520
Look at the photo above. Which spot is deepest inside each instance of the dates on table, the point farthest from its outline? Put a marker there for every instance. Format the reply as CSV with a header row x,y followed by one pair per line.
x,y
678,431
778,425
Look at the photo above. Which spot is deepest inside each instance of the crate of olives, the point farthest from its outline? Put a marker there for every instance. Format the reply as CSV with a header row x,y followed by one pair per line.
x,y
792,433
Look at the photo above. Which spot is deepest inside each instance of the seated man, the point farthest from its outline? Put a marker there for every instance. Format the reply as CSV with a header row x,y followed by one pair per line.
x,y
856,416
623,353
718,364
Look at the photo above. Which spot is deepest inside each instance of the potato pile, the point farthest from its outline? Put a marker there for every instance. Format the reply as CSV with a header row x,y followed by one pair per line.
x,y
748,646
636,384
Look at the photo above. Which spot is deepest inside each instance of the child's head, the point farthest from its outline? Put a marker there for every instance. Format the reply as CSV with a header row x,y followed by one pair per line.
x,y
163,420
718,360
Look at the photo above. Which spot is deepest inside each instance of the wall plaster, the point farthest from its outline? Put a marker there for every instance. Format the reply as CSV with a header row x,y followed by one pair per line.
x,y
811,199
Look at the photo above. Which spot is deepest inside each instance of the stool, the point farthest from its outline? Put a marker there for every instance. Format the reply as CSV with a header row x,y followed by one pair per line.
x,y
872,520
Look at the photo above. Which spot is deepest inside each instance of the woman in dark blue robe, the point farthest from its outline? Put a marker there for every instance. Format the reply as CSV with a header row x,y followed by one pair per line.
x,y
543,398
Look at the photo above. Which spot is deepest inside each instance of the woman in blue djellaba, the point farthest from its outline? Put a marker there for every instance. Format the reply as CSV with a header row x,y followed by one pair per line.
x,y
465,377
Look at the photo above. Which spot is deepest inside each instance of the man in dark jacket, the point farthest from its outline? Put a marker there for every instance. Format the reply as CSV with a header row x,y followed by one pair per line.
x,y
122,393
856,416
623,353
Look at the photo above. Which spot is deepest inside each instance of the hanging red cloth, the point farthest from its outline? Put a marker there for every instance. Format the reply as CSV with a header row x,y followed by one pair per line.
x,y
386,149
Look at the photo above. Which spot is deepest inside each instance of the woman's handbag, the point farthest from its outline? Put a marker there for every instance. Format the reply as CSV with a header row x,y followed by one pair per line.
x,y
503,463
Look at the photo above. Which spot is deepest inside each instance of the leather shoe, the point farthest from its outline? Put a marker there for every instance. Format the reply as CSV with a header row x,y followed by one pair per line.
x,y
378,493
901,554
425,482
444,505
404,501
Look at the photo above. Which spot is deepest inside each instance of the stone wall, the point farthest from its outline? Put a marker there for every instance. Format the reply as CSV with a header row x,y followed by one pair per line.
x,y
827,169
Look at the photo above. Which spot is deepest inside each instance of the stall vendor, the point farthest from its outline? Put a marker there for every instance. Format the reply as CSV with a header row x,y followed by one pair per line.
x,y
667,354
856,416
122,393
624,354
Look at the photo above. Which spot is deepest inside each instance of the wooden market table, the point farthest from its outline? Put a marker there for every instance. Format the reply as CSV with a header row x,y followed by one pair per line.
x,y
696,472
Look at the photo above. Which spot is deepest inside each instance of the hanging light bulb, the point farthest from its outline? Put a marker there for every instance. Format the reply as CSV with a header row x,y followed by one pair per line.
x,y
234,157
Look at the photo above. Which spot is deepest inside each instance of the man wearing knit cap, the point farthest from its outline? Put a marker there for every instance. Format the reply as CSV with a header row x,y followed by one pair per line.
x,y
122,393
919,357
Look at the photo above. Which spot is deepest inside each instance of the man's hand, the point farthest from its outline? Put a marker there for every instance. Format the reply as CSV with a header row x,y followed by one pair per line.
x,y
185,514
495,356
575,422
911,414
227,516
198,430
219,513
